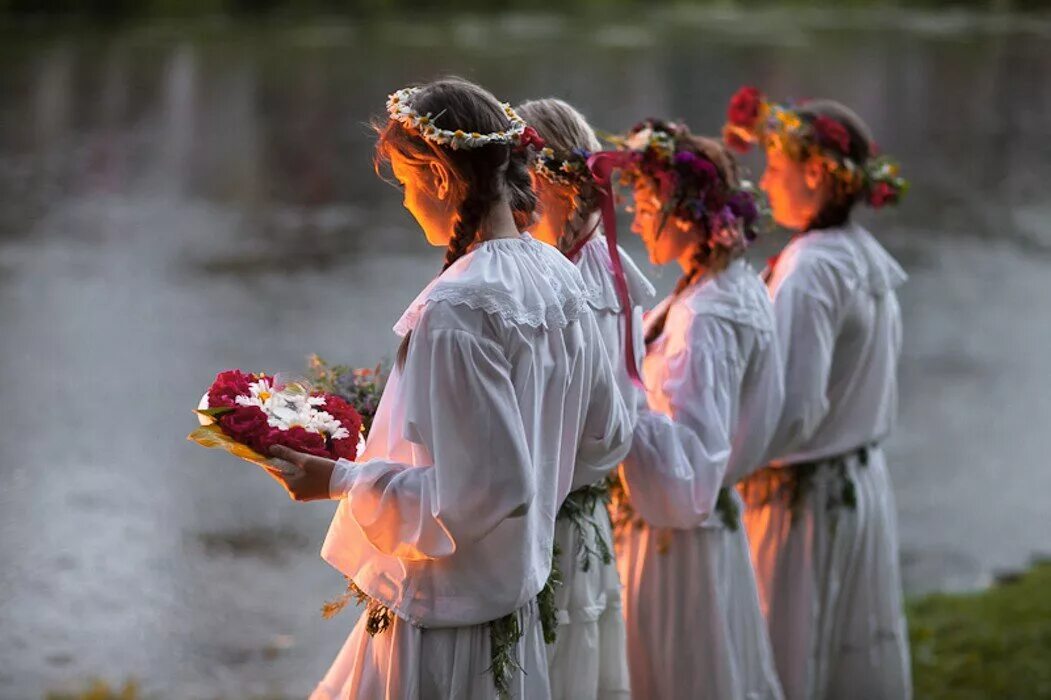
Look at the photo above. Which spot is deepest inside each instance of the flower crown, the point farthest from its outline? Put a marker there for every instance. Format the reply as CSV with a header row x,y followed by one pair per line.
x,y
751,119
518,134
689,185
569,169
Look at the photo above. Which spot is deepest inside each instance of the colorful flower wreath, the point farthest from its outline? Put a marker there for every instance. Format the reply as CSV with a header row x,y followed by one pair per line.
x,y
566,169
400,109
690,187
752,119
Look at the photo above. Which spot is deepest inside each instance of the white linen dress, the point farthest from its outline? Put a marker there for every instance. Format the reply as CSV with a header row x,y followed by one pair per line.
x,y
448,517
825,543
588,658
714,385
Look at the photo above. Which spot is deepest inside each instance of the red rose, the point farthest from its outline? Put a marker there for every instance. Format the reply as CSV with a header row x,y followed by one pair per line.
x,y
744,107
350,419
342,411
227,386
302,440
530,137
246,424
881,194
346,449
832,134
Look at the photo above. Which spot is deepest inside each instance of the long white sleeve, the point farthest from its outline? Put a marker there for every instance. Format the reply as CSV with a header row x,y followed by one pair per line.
x,y
761,403
681,445
608,425
461,409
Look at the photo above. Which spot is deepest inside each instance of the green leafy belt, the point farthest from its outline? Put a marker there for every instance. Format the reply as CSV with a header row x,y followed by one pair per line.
x,y
504,632
793,484
578,509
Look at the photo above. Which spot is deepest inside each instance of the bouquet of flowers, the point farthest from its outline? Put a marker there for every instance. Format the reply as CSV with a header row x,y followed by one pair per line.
x,y
246,414
361,388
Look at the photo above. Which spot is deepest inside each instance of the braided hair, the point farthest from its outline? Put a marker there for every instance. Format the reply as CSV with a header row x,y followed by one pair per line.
x,y
480,176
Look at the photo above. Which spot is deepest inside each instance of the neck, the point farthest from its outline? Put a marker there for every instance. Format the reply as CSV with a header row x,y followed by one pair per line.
x,y
499,221
688,261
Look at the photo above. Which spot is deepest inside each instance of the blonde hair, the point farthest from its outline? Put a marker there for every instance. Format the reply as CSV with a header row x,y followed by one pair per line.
x,y
565,129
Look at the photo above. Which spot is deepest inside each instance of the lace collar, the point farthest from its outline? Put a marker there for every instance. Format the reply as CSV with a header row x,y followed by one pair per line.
x,y
519,280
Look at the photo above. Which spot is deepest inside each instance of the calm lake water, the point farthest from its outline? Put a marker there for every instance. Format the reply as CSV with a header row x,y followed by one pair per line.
x,y
179,200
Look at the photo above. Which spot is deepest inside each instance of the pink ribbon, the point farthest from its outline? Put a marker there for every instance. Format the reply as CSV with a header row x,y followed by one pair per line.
x,y
602,166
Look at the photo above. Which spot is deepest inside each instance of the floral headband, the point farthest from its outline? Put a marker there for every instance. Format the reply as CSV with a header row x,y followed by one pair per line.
x,y
752,119
569,169
518,135
690,187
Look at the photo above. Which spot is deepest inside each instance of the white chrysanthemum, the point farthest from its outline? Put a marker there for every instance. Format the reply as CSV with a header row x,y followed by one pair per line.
x,y
287,409
260,394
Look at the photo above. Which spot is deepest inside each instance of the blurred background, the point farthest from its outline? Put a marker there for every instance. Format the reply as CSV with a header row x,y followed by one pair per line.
x,y
188,187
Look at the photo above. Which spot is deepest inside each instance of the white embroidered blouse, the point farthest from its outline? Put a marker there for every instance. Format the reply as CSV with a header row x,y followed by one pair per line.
x,y
596,268
714,391
449,515
839,327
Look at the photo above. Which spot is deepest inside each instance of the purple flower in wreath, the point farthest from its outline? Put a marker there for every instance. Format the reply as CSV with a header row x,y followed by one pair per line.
x,y
701,167
742,205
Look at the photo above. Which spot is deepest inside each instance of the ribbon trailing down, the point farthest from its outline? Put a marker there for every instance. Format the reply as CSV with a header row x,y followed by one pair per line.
x,y
602,166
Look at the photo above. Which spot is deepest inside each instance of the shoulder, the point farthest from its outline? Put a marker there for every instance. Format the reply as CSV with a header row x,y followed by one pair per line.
x,y
596,269
505,282
835,262
736,297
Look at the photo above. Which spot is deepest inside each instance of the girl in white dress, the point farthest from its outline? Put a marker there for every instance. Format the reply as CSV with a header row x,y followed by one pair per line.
x,y
821,519
588,656
714,393
501,394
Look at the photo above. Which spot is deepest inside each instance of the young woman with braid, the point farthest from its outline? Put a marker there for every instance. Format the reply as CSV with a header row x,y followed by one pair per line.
x,y
445,523
714,393
587,656
821,519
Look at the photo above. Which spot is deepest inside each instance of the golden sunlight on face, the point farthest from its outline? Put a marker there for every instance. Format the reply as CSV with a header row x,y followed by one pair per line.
x,y
554,211
432,208
792,201
666,243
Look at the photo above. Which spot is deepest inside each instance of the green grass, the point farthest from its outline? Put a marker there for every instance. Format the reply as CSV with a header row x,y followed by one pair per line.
x,y
990,644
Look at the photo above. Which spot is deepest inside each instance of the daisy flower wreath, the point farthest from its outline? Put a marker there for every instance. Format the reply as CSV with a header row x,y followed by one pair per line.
x,y
399,107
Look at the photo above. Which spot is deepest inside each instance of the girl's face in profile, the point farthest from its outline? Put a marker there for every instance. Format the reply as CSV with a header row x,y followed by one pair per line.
x,y
428,196
797,189
664,243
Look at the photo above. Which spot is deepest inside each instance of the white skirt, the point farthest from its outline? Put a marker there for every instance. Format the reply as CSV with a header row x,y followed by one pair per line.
x,y
695,629
831,585
589,656
409,663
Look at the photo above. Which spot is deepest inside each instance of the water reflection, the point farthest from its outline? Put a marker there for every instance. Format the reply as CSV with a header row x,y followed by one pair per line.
x,y
179,201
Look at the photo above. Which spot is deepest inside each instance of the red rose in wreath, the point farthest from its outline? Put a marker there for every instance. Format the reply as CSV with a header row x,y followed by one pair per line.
x,y
832,134
744,107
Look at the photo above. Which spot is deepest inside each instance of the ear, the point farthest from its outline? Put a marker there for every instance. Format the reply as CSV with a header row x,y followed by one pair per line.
x,y
440,179
814,173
